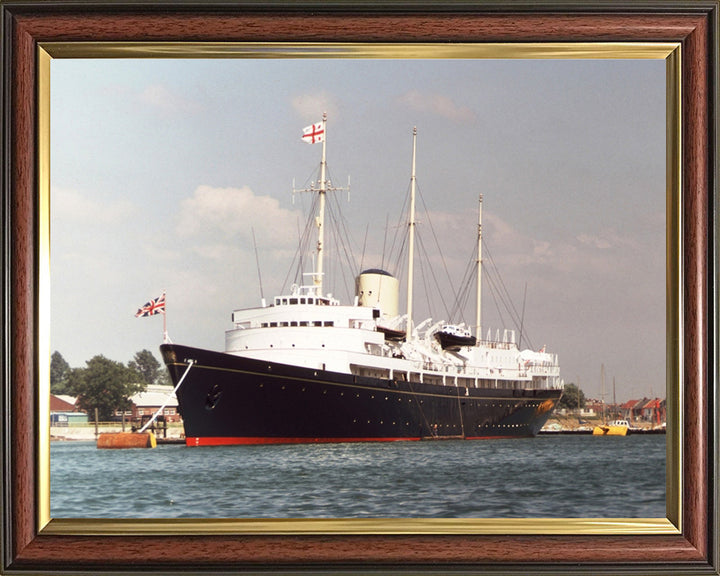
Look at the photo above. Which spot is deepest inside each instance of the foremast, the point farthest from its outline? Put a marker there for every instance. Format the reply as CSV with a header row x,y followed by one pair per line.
x,y
318,276
313,134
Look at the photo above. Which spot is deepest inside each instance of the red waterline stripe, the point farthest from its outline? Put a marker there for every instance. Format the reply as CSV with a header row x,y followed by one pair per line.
x,y
494,437
227,441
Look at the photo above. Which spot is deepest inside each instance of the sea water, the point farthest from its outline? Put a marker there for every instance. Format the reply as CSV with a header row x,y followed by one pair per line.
x,y
548,476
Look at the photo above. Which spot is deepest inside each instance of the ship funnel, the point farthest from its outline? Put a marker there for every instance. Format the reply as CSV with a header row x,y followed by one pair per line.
x,y
377,288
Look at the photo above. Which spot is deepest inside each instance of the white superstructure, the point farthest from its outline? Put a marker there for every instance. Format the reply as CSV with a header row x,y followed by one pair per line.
x,y
369,338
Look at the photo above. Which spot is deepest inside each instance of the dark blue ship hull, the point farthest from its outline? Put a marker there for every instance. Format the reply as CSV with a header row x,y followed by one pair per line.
x,y
227,399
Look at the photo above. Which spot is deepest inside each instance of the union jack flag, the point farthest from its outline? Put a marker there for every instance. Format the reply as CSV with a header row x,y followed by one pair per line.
x,y
153,307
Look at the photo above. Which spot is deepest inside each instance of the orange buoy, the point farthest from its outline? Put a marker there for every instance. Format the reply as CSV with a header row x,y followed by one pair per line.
x,y
126,440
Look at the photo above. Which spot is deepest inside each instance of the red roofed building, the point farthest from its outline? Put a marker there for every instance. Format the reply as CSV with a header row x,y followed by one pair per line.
x,y
654,411
63,411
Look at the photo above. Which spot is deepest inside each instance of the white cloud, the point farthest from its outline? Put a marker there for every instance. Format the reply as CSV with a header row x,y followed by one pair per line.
x,y
235,212
72,205
159,97
311,106
437,104
606,239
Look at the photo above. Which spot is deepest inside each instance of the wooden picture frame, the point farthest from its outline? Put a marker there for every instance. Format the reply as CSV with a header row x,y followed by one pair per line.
x,y
31,545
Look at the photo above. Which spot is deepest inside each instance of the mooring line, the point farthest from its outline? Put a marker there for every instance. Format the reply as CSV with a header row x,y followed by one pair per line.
x,y
169,397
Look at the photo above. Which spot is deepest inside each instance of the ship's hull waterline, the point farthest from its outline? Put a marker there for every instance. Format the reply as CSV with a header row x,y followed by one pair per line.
x,y
226,399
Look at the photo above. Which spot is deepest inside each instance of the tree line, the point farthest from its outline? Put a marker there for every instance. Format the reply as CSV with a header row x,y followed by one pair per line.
x,y
573,398
105,384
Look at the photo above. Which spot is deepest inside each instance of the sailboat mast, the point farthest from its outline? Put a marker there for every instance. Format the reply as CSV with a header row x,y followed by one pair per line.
x,y
602,390
321,213
411,243
478,302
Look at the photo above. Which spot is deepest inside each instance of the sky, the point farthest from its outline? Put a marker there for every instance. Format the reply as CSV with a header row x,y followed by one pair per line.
x,y
177,175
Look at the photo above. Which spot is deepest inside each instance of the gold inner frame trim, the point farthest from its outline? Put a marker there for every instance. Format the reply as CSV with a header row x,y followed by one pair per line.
x,y
436,51
353,526
670,52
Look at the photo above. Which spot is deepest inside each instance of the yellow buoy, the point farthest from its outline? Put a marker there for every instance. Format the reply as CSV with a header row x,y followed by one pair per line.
x,y
126,440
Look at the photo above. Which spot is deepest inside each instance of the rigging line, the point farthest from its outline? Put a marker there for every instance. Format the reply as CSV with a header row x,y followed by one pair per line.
x,y
400,254
168,398
464,291
295,257
257,261
522,318
346,241
437,243
345,236
468,279
387,217
494,276
462,421
342,248
493,294
511,307
460,304
424,252
362,258
304,238
402,223
423,276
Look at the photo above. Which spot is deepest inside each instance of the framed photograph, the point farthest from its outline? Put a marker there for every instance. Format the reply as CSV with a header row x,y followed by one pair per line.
x,y
682,36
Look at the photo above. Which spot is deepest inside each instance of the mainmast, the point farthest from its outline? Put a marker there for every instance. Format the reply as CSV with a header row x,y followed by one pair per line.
x,y
411,243
478,302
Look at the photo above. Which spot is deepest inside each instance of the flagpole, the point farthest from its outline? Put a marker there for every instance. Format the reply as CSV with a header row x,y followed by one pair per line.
x,y
165,333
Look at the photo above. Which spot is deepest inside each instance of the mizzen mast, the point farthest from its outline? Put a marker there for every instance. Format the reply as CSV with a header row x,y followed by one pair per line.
x,y
478,302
